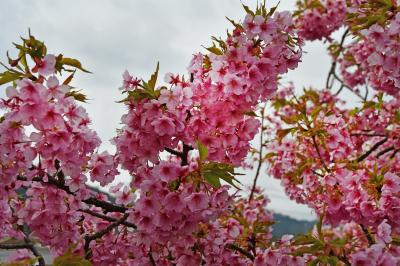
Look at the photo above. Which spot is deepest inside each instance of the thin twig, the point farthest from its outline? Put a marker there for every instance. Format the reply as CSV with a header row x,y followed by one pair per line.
x,y
332,70
260,157
319,154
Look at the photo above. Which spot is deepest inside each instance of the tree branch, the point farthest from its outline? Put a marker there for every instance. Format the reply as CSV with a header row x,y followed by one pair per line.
x,y
241,250
90,238
27,245
35,251
319,154
373,148
107,218
152,261
385,151
368,134
181,154
107,206
367,234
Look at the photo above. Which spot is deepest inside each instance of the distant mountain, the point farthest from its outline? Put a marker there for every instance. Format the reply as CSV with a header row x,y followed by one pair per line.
x,y
286,225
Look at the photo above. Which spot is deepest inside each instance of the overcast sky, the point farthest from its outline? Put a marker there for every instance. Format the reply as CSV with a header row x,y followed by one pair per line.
x,y
109,36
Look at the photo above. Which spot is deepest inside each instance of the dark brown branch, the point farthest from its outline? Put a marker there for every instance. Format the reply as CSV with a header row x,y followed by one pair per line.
x,y
368,134
14,246
107,206
319,154
35,252
260,157
367,234
107,218
27,245
241,250
332,70
99,234
152,261
174,152
394,154
181,154
373,148
316,173
385,151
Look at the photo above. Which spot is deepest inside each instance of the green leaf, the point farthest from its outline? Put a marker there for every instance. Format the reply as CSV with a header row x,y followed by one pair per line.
x,y
304,240
328,260
250,113
234,23
339,242
153,79
213,179
203,151
354,111
270,155
248,10
224,171
77,96
69,79
397,116
272,10
214,49
70,259
73,62
281,133
9,76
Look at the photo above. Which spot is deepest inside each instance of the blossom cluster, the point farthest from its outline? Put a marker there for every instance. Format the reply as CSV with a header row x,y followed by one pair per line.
x,y
319,19
375,58
180,143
